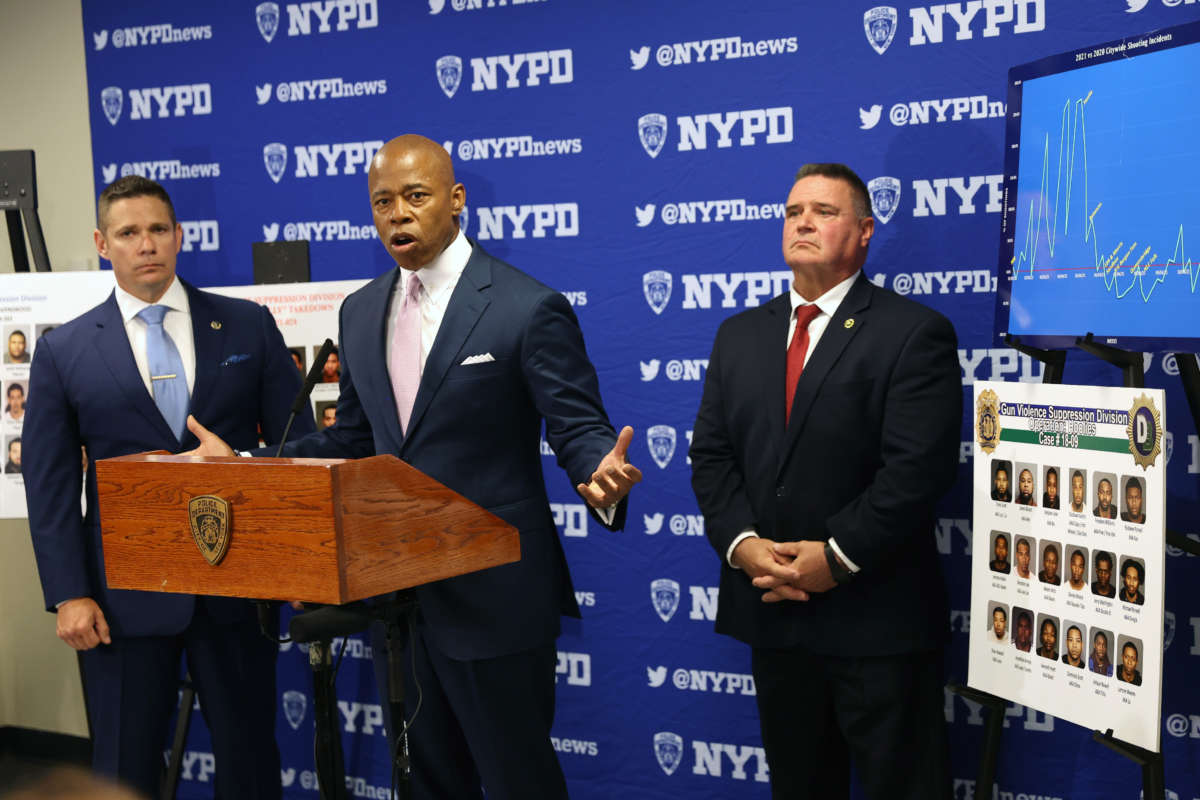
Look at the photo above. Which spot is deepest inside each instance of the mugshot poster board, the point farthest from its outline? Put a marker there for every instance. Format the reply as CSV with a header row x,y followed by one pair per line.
x,y
1068,553
30,305
33,303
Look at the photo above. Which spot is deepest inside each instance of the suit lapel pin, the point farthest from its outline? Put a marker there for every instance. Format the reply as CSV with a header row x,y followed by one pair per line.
x,y
216,326
849,323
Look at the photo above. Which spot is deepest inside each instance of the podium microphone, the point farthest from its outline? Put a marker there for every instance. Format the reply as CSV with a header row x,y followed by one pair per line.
x,y
314,375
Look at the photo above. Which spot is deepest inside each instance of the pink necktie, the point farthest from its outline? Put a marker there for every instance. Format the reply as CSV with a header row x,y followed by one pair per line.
x,y
405,363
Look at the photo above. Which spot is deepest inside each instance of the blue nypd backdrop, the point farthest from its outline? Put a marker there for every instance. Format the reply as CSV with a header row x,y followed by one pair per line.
x,y
636,156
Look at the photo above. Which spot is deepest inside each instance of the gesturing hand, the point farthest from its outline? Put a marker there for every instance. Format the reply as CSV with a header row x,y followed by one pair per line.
x,y
614,477
210,443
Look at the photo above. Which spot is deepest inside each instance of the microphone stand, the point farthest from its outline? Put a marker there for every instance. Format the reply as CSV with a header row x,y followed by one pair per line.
x,y
318,628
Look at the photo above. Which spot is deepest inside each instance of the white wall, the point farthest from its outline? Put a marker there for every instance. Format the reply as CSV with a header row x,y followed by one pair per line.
x,y
43,94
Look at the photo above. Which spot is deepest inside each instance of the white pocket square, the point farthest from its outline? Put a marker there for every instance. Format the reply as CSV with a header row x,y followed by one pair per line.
x,y
482,358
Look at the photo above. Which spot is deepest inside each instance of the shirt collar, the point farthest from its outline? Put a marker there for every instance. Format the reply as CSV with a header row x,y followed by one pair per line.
x,y
175,298
828,303
444,270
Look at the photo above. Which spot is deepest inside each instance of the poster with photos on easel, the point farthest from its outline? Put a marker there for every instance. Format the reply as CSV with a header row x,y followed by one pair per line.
x,y
1068,553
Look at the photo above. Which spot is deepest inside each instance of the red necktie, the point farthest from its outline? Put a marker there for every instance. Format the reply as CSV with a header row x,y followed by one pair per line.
x,y
795,355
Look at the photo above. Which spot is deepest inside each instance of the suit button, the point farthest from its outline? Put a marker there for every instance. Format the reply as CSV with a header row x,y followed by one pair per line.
x,y
780,491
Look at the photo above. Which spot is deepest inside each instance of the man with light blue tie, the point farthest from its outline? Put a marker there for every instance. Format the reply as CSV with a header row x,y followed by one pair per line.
x,y
123,378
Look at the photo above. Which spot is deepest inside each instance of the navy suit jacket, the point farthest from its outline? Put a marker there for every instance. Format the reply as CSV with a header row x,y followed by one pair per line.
x,y
475,428
84,389
871,445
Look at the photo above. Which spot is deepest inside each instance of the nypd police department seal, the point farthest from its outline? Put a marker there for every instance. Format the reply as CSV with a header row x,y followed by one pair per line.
x,y
209,519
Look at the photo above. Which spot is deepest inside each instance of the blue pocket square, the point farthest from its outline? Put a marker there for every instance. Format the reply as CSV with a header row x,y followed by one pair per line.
x,y
235,359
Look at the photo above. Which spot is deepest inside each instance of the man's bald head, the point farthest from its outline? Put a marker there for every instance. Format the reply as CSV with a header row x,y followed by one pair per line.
x,y
414,199
414,145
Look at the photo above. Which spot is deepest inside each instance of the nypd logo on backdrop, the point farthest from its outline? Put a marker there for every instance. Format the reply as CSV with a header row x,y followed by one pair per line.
x,y
261,119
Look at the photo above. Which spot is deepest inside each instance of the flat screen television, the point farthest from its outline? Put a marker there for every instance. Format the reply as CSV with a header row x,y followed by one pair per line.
x,y
1102,196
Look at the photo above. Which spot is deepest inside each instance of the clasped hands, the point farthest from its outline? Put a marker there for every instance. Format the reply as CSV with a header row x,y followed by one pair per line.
x,y
786,570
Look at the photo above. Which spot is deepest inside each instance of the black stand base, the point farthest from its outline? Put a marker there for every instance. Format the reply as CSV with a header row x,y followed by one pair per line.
x,y
991,736
1129,362
1153,783
1055,360
318,628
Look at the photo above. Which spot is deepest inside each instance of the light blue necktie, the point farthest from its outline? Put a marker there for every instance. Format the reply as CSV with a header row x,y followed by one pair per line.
x,y
167,380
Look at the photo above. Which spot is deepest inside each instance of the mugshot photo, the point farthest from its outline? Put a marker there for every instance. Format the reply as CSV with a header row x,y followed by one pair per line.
x,y
1133,499
12,457
326,414
1050,558
1023,557
1000,551
1102,569
1047,636
997,623
1100,655
1074,635
1022,629
1077,567
1129,660
1026,484
1077,497
19,347
40,329
1050,495
14,402
299,359
1133,580
1002,480
1103,483
331,372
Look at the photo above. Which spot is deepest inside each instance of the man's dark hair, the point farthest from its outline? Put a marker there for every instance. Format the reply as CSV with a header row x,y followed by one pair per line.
x,y
1132,647
1003,536
862,198
1076,474
1003,613
1134,481
21,333
1141,571
1025,615
1104,555
129,187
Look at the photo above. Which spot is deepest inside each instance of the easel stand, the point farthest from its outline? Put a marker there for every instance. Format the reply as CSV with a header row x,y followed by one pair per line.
x,y
992,729
1133,376
318,628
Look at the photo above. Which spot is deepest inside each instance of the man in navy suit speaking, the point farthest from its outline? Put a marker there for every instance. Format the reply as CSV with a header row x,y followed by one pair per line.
x,y
119,379
453,361
828,429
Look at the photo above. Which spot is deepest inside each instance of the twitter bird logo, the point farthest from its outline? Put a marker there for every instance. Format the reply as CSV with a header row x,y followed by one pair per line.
x,y
656,676
1135,6
263,92
644,214
436,6
270,232
653,523
649,369
639,57
109,172
100,39
870,118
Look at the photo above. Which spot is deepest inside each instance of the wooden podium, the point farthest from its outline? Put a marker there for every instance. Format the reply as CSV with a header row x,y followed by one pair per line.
x,y
319,530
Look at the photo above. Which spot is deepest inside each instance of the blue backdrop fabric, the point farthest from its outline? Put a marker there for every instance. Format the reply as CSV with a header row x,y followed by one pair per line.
x,y
636,156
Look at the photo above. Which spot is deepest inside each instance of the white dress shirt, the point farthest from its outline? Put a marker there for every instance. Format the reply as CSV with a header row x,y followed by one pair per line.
x,y
828,304
438,279
177,323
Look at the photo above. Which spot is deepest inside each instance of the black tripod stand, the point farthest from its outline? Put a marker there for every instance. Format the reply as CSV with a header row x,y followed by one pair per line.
x,y
318,628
